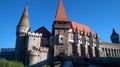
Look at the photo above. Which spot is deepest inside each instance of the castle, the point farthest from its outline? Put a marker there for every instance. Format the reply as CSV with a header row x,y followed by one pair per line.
x,y
68,38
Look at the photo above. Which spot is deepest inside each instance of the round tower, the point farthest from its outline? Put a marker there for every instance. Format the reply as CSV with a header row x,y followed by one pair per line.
x,y
21,32
23,25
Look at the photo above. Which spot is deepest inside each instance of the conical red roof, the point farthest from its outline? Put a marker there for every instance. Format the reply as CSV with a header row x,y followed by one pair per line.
x,y
61,13
81,27
24,21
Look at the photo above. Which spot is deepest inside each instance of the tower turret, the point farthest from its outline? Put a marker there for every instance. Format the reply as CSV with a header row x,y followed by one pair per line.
x,y
61,13
61,19
61,26
114,37
21,33
23,25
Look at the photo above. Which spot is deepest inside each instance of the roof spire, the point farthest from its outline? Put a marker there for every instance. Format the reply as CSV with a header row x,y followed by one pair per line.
x,y
91,35
61,13
114,32
76,30
97,36
83,32
24,21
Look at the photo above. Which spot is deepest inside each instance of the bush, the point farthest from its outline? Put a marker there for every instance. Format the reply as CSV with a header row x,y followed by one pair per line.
x,y
5,63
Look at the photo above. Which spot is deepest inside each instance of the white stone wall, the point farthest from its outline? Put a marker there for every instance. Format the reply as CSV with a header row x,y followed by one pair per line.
x,y
34,41
33,47
34,60
61,39
43,56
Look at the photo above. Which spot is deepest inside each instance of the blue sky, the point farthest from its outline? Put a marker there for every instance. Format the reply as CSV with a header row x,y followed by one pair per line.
x,y
100,15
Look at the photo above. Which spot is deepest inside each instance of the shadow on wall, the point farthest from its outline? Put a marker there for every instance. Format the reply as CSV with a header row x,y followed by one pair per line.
x,y
48,61
67,64
40,64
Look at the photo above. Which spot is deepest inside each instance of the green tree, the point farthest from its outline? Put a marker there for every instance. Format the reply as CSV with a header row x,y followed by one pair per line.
x,y
5,63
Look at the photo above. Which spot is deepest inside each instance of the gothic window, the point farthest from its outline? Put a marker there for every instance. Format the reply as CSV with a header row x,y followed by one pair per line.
x,y
79,39
87,41
70,37
61,39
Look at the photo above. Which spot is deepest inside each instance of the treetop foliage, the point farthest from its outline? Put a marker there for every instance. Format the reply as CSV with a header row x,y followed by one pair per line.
x,y
6,63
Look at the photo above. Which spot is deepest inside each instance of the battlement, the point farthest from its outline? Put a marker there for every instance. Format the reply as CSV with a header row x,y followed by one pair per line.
x,y
7,49
35,53
44,49
33,34
21,33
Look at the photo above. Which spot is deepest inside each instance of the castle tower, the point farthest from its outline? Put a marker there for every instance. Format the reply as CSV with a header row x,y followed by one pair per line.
x,y
61,26
61,13
22,28
33,49
114,37
23,25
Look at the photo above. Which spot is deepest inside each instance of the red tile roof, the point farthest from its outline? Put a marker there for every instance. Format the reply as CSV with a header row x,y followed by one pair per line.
x,y
44,31
61,16
61,13
81,27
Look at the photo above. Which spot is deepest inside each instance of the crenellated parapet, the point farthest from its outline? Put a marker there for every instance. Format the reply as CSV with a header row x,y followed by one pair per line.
x,y
33,53
7,49
44,49
33,34
21,33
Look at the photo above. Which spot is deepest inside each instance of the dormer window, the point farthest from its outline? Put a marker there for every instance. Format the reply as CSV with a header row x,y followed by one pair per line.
x,y
70,37
79,39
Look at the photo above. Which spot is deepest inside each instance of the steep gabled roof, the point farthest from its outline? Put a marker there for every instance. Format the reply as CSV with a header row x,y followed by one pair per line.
x,y
81,27
61,13
24,21
44,31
